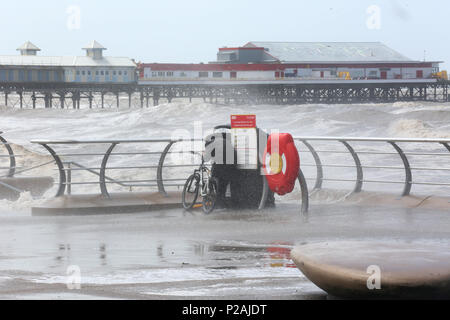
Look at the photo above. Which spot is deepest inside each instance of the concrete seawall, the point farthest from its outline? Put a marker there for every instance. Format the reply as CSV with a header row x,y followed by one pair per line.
x,y
151,201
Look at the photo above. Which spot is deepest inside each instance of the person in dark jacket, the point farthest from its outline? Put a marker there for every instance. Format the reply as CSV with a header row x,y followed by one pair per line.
x,y
245,186
220,151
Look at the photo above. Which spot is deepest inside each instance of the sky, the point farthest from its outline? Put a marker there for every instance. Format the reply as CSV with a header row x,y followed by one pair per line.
x,y
191,31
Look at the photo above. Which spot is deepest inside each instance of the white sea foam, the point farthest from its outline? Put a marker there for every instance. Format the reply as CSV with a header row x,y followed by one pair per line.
x,y
412,128
24,202
20,126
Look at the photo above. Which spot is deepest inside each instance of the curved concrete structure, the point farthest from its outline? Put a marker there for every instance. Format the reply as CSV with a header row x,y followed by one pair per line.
x,y
377,270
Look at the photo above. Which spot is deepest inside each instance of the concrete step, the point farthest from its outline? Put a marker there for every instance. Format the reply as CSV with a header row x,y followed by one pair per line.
x,y
89,204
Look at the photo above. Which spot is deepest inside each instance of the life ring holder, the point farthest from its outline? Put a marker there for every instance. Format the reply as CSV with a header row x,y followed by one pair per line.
x,y
297,174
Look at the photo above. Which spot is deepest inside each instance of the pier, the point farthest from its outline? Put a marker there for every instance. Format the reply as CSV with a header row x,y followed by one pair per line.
x,y
151,93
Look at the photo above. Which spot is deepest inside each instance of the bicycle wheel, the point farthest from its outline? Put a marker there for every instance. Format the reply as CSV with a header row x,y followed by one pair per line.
x,y
209,201
190,191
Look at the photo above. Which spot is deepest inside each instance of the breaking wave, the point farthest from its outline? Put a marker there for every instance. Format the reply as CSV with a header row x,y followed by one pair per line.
x,y
24,202
412,128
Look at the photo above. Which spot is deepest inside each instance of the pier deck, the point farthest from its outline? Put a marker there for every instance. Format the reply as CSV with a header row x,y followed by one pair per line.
x,y
68,95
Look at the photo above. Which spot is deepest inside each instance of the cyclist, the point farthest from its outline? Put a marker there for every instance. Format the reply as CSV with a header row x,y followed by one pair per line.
x,y
220,152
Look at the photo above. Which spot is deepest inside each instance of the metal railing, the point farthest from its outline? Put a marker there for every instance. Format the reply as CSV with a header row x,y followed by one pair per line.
x,y
13,169
440,159
10,154
156,151
68,166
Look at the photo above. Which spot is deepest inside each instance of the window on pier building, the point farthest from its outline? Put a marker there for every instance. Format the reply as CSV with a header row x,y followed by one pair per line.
x,y
161,74
169,73
419,74
203,74
217,74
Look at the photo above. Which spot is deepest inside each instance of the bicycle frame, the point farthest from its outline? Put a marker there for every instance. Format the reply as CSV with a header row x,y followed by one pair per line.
x,y
205,177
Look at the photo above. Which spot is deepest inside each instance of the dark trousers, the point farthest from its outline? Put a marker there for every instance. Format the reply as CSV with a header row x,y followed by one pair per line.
x,y
246,187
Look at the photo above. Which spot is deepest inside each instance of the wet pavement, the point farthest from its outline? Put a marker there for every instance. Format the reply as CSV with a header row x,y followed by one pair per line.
x,y
172,254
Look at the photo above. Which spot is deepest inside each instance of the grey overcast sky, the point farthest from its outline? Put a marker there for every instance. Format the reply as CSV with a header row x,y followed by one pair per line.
x,y
192,30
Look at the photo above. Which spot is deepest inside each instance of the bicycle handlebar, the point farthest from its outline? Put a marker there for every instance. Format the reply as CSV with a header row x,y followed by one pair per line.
x,y
226,126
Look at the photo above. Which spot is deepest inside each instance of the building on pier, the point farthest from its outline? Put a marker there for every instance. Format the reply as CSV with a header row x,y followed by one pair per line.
x,y
28,67
299,61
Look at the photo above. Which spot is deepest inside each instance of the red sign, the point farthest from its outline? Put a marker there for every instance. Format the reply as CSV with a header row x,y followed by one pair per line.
x,y
243,121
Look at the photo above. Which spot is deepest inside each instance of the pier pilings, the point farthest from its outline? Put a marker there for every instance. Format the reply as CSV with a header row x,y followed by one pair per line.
x,y
64,95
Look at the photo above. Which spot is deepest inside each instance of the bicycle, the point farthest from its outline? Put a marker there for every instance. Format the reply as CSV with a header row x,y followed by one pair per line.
x,y
202,180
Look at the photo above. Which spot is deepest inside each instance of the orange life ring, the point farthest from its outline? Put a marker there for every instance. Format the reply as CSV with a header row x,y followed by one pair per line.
x,y
281,163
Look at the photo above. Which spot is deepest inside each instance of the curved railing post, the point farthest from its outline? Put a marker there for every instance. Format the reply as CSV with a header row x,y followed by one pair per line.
x,y
159,173
265,193
12,158
446,145
319,167
103,188
61,169
303,189
408,173
305,192
359,170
